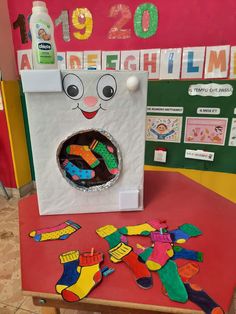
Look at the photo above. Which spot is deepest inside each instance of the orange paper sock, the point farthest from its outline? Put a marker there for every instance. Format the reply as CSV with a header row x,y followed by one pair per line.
x,y
84,152
188,270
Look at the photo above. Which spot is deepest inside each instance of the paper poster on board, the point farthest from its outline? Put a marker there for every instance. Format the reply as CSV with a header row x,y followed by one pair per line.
x,y
232,137
210,131
163,129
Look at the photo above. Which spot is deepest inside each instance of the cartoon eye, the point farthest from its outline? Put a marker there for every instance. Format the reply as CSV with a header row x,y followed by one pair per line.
x,y
73,86
106,87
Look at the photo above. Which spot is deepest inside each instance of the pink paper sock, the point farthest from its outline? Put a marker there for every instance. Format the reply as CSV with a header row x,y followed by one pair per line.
x,y
161,253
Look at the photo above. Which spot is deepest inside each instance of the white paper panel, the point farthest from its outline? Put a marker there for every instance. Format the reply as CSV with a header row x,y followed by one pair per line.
x,y
123,117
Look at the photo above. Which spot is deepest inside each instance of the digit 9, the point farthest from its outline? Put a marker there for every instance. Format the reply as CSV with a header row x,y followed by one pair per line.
x,y
82,20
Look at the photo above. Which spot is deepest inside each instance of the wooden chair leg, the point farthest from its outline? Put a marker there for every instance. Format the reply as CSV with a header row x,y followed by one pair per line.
x,y
4,190
50,310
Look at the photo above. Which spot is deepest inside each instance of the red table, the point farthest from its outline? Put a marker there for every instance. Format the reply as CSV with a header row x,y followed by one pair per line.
x,y
167,196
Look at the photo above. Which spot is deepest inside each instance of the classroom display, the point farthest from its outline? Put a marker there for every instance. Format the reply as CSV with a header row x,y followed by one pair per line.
x,y
193,124
160,258
88,138
82,271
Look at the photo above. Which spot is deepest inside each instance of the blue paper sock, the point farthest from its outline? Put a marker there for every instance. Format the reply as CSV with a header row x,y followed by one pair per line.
x,y
202,299
77,173
70,261
184,232
179,236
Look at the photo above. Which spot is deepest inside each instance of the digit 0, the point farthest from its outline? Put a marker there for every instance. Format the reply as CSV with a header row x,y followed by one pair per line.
x,y
146,20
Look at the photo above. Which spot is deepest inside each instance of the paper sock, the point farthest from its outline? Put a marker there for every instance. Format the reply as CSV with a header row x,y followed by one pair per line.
x,y
77,173
188,270
184,232
202,299
107,154
112,236
60,232
161,237
69,260
143,229
125,253
180,252
169,277
85,153
160,255
90,276
191,230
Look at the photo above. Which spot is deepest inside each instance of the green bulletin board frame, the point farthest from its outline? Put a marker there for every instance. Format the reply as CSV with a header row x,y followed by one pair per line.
x,y
175,94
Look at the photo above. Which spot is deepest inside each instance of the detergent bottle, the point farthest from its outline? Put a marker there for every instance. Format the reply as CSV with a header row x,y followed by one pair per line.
x,y
43,43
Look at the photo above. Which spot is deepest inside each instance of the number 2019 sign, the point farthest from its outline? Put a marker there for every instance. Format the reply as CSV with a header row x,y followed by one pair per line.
x,y
110,22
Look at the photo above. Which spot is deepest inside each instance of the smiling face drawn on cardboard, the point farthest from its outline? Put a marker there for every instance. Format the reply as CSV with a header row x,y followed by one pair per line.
x,y
98,98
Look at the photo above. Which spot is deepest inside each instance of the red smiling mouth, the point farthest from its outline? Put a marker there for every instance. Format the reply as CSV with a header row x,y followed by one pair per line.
x,y
89,115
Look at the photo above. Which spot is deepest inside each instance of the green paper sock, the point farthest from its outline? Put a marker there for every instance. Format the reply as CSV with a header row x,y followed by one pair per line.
x,y
190,230
111,234
170,278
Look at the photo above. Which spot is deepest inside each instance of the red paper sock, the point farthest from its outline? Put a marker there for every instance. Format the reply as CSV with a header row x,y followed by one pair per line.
x,y
126,254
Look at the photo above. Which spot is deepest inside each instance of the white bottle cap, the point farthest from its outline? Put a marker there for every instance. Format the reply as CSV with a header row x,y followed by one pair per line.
x,y
39,6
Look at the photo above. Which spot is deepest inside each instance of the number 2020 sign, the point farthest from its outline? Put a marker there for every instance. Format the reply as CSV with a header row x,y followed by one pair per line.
x,y
81,23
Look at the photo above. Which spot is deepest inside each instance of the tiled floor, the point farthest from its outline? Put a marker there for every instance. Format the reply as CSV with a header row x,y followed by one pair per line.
x,y
11,298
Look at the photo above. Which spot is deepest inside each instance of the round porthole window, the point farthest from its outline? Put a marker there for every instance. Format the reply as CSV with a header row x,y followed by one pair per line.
x,y
90,160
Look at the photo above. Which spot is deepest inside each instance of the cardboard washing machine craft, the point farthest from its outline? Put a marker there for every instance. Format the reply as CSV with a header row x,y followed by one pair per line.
x,y
87,131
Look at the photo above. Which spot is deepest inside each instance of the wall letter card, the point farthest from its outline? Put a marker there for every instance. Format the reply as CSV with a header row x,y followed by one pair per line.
x,y
130,60
92,60
74,60
150,61
233,62
192,62
24,60
111,60
170,63
61,60
217,62
81,140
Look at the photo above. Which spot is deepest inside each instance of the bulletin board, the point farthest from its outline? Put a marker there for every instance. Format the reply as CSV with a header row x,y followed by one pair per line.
x,y
175,94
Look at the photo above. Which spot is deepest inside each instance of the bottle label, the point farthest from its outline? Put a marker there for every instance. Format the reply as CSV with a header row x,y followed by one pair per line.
x,y
45,48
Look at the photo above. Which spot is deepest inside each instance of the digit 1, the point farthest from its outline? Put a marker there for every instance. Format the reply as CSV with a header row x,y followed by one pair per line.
x,y
145,14
20,22
64,20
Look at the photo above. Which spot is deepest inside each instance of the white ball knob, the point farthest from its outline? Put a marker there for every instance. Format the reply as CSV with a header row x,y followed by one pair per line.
x,y
132,83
